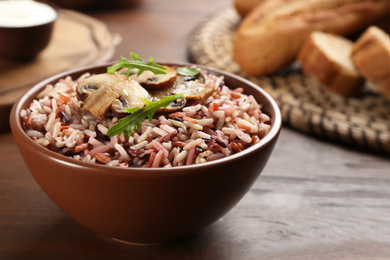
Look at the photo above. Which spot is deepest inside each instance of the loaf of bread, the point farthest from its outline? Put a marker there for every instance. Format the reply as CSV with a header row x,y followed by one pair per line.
x,y
327,57
270,38
243,7
371,55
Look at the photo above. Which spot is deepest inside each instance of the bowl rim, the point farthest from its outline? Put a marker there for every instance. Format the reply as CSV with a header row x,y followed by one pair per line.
x,y
16,125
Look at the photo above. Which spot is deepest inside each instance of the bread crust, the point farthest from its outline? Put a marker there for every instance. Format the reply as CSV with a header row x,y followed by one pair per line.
x,y
327,58
371,55
269,38
243,7
384,87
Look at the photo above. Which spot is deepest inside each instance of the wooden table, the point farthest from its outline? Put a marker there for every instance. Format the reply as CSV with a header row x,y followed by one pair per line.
x,y
314,200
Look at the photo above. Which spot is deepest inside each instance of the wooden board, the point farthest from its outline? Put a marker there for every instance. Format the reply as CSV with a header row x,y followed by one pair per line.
x,y
77,40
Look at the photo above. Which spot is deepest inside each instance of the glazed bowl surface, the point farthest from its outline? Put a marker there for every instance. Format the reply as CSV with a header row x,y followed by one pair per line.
x,y
146,205
26,28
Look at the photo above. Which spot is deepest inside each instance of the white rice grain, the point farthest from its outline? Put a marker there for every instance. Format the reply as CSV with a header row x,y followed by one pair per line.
x,y
122,151
34,133
102,129
255,105
90,133
43,141
192,125
50,138
94,141
245,106
159,131
193,144
206,122
192,108
228,130
168,128
243,136
71,141
219,114
144,135
180,157
50,121
56,129
113,163
174,152
253,128
38,106
203,135
47,109
140,145
68,112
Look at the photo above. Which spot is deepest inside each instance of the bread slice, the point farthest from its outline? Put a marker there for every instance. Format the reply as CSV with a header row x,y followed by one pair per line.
x,y
327,57
371,55
270,38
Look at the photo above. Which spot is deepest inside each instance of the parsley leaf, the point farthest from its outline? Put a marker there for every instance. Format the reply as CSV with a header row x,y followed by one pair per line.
x,y
137,115
137,63
187,71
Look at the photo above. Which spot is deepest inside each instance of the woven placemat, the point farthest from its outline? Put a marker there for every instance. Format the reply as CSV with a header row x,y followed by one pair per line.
x,y
307,106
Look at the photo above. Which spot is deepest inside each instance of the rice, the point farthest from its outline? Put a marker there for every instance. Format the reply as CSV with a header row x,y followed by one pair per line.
x,y
226,123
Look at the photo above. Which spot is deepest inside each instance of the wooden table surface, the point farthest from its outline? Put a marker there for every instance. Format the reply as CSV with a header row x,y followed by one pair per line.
x,y
314,200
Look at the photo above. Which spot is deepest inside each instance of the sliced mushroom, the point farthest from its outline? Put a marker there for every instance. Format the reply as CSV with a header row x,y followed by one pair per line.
x,y
176,105
104,91
194,88
152,81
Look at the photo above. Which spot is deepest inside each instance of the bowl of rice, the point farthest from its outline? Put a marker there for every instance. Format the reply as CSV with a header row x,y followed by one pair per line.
x,y
177,173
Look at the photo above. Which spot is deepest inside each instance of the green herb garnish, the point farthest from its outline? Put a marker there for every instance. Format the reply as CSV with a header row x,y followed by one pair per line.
x,y
187,71
137,63
137,115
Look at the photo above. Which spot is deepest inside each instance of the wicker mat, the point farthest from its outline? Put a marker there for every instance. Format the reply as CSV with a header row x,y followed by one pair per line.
x,y
362,122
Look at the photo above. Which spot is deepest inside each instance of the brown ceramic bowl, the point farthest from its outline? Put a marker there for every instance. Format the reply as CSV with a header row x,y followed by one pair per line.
x,y
25,37
141,205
